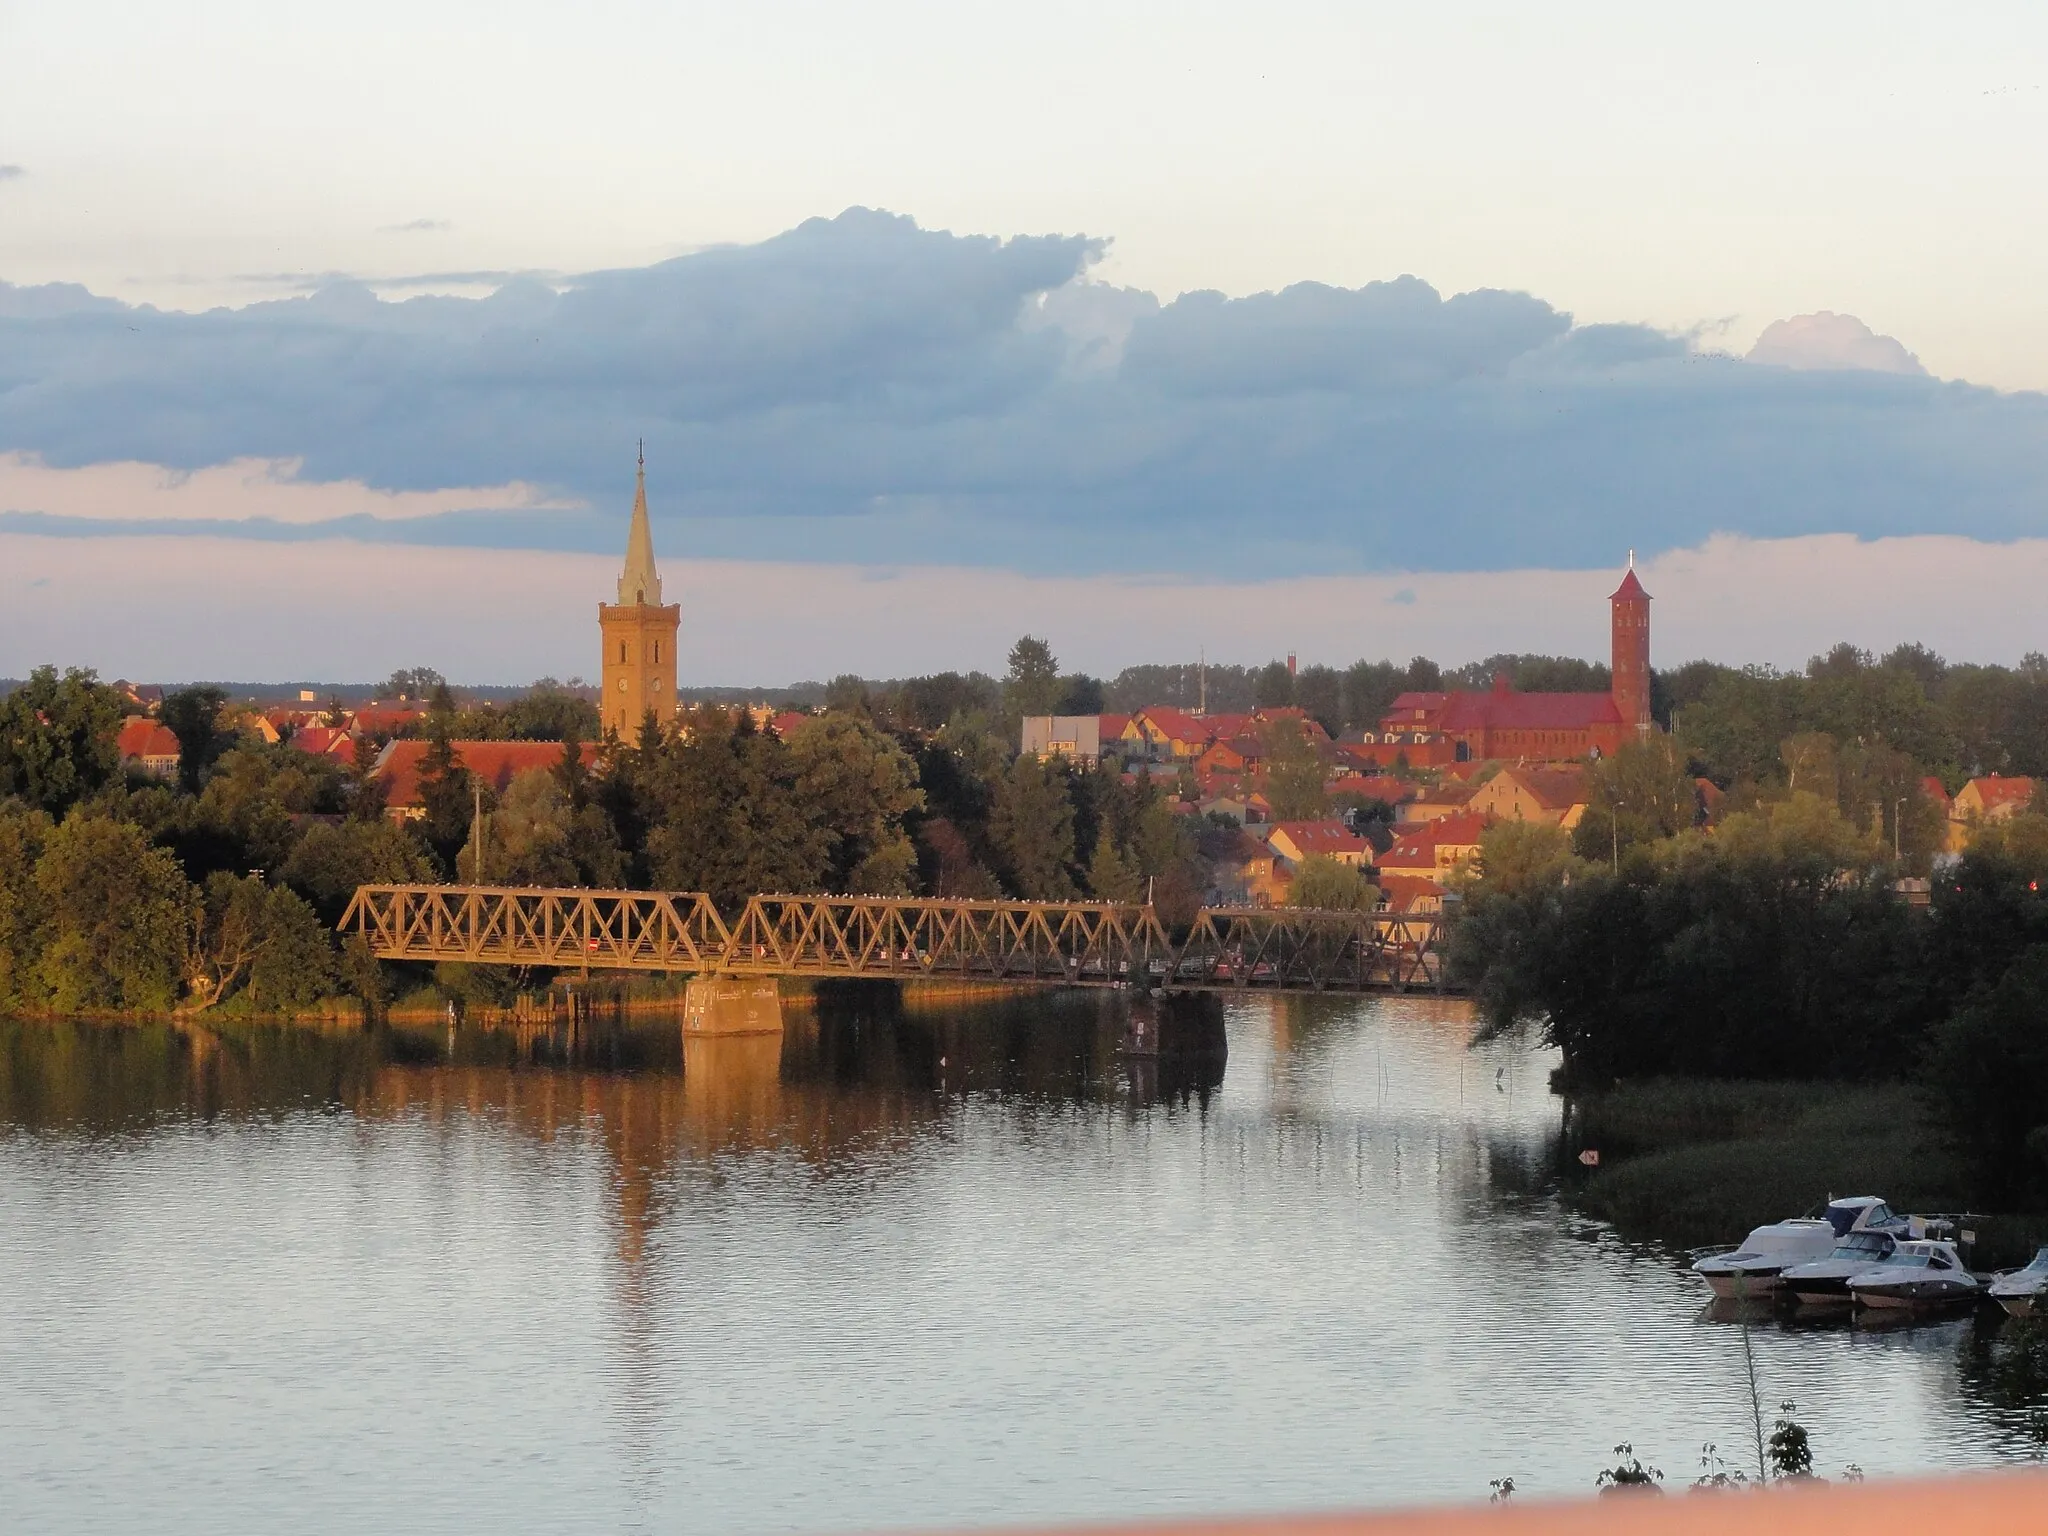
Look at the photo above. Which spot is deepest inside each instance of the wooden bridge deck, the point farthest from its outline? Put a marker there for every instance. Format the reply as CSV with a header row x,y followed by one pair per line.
x,y
1080,943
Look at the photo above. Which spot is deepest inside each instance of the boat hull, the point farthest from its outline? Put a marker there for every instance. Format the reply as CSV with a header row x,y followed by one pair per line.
x,y
2018,1306
1755,1283
1895,1297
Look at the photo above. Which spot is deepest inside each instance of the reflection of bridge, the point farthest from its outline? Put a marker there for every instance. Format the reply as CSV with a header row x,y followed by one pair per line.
x,y
1082,943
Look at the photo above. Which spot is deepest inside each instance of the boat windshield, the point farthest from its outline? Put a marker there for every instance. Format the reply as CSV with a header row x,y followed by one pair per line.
x,y
1862,1245
2038,1263
1844,1216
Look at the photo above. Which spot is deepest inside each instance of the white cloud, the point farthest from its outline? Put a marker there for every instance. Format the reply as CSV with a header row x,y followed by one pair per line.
x,y
1826,340
338,610
241,490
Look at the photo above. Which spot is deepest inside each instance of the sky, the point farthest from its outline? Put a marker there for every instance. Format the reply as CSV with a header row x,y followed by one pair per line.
x,y
917,299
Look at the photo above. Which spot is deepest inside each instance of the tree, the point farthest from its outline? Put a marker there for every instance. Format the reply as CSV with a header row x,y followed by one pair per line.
x,y
1033,830
1329,886
1320,691
1640,794
1520,856
267,942
446,795
860,786
193,716
1110,876
1294,772
1989,1062
58,739
550,712
1275,686
330,861
117,919
413,682
1033,686
529,838
24,833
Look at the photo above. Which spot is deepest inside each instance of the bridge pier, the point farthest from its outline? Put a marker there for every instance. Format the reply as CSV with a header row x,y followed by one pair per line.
x,y
726,1005
1175,1024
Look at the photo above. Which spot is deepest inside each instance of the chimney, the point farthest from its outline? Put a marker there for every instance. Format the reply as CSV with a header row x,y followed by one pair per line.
x,y
1290,663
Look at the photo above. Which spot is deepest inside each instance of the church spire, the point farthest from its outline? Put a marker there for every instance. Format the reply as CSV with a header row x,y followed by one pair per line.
x,y
639,582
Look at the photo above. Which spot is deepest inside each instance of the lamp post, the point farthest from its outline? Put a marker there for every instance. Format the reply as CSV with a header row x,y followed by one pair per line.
x,y
1898,811
1614,832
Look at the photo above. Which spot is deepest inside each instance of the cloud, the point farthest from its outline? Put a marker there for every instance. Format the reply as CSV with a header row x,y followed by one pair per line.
x,y
243,490
345,610
1831,341
11,172
415,227
863,391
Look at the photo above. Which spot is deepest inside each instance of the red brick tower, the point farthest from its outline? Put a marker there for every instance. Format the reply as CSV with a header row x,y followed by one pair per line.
x,y
1630,616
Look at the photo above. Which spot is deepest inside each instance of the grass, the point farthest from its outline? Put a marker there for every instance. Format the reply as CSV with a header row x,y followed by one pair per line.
x,y
1696,1162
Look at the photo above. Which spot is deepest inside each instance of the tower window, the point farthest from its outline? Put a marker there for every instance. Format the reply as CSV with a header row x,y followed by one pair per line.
x,y
622,657
657,650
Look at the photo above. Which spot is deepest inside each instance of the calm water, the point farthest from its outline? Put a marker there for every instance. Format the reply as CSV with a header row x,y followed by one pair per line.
x,y
956,1267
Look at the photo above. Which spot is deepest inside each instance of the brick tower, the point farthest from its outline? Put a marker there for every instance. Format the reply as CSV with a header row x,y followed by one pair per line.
x,y
639,670
1630,619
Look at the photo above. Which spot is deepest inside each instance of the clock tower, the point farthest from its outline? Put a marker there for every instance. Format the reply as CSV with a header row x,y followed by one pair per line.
x,y
639,633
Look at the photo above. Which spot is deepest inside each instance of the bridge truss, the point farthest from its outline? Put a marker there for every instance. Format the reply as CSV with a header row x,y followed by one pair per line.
x,y
1079,943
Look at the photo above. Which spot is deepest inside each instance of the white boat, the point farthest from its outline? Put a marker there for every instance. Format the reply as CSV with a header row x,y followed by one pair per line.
x,y
1921,1273
2020,1291
1756,1268
1825,1282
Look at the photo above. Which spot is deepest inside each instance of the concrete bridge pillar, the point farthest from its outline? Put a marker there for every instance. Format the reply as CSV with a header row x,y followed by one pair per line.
x,y
728,1005
1175,1023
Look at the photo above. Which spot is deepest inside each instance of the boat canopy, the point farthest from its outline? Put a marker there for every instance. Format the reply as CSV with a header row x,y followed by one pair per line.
x,y
1846,1215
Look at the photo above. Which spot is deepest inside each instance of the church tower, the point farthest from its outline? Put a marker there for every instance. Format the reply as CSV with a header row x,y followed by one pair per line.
x,y
639,670
1630,621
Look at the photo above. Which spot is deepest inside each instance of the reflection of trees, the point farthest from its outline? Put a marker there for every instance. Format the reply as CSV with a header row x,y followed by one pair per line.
x,y
2002,1369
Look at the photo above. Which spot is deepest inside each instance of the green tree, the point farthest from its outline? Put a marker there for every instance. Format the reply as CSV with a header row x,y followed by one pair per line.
x,y
446,793
194,717
1320,691
58,739
860,786
117,918
1294,772
1329,886
1275,686
413,683
1642,793
1110,875
1989,1063
1033,686
331,860
530,838
1521,856
1032,828
550,712
24,833
265,942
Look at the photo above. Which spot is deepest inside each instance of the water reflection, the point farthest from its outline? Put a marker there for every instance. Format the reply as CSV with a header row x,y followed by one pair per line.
x,y
895,1266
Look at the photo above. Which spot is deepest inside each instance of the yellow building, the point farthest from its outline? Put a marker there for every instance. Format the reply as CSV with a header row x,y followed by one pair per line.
x,y
639,632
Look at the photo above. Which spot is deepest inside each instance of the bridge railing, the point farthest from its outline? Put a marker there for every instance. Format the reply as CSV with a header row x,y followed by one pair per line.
x,y
1072,943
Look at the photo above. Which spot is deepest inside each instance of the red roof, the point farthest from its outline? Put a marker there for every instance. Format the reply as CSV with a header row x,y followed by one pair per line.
x,y
322,740
143,737
1630,589
1110,727
1503,710
1932,788
1553,788
495,762
386,717
1178,724
1417,850
787,721
1995,789
1327,838
1403,892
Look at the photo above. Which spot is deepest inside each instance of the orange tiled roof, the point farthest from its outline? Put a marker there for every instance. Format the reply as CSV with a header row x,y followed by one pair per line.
x,y
143,737
495,762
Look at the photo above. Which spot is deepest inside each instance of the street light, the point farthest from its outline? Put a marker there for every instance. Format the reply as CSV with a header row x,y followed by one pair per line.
x,y
1898,810
1614,832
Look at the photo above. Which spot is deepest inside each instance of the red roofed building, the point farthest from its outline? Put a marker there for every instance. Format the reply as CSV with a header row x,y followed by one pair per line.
x,y
1502,723
323,741
383,719
1165,732
149,746
1294,841
1552,794
497,763
1435,850
787,721
1985,799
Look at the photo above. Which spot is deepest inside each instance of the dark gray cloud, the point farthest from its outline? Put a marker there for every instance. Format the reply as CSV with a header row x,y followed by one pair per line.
x,y
859,388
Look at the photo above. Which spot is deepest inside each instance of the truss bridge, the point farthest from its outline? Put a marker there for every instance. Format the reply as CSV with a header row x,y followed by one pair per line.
x,y
1052,943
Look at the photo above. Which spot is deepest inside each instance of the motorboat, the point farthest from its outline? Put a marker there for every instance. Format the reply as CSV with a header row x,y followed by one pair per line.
x,y
1825,1282
1922,1273
2021,1291
1756,1268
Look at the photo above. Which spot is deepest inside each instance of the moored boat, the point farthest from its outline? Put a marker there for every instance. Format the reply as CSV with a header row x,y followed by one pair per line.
x,y
1825,1281
2022,1291
1757,1267
1921,1273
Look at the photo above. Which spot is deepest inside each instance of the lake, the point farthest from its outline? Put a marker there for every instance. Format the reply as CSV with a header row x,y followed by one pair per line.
x,y
934,1265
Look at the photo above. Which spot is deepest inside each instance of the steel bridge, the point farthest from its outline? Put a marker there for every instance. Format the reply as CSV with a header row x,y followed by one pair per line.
x,y
1053,943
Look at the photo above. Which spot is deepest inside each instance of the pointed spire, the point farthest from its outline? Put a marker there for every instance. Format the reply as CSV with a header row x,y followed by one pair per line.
x,y
639,582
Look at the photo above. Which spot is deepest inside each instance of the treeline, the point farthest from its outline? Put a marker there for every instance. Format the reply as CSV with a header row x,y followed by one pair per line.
x,y
1775,946
222,885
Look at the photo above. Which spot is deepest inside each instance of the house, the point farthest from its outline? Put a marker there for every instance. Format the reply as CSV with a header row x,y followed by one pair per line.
x,y
1244,871
1554,795
1294,841
146,745
1988,798
1433,801
1436,850
495,762
1161,732
375,719
1077,738
323,741
787,721
1240,754
1409,893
